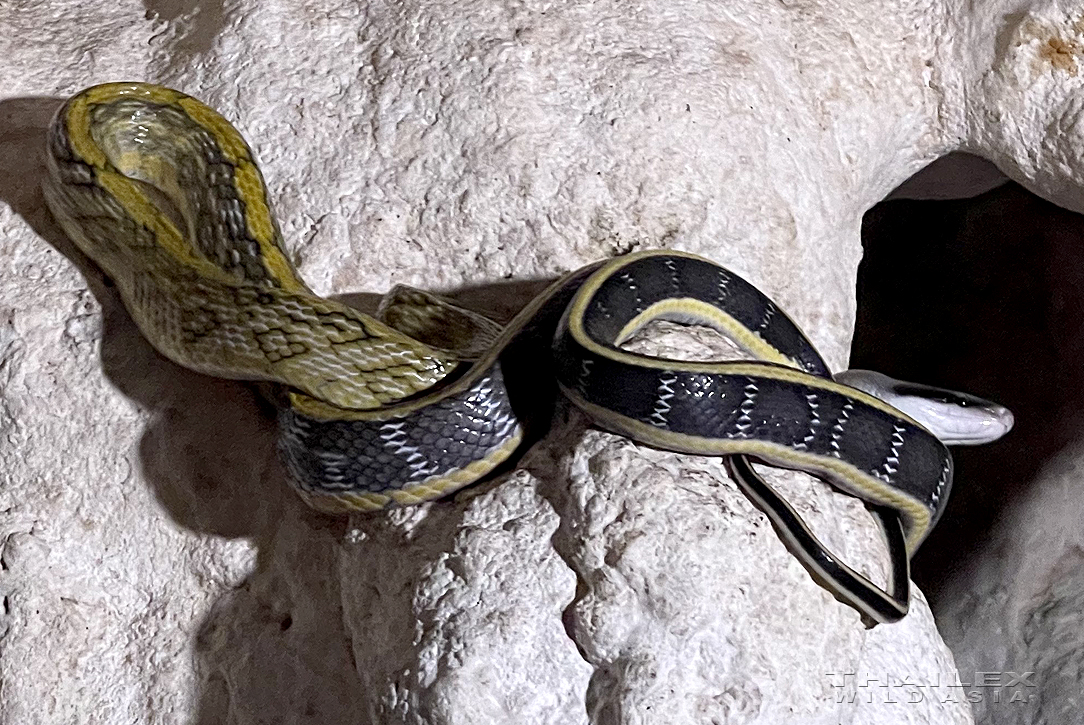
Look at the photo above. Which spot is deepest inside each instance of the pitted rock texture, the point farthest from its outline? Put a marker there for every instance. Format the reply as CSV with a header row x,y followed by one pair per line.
x,y
157,569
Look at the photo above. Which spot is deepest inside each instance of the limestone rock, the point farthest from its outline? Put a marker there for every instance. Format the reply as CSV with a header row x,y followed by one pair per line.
x,y
156,567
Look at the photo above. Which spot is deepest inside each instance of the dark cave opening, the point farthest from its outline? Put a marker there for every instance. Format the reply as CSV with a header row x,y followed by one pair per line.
x,y
986,295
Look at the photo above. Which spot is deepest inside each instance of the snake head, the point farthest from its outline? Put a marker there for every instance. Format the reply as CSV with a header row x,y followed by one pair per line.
x,y
957,419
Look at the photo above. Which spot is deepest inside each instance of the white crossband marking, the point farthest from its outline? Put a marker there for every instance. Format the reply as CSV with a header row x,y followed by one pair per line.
x,y
675,279
837,429
585,373
940,484
630,282
744,423
663,395
395,440
814,421
769,313
489,407
723,286
892,461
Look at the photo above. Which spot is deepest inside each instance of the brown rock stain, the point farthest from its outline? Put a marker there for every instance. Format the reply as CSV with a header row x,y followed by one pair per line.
x,y
1055,51
1061,54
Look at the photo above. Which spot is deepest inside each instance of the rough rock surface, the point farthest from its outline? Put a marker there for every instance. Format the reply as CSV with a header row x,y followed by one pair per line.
x,y
157,569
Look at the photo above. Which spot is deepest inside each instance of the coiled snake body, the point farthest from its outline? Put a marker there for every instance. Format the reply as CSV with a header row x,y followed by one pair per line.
x,y
164,195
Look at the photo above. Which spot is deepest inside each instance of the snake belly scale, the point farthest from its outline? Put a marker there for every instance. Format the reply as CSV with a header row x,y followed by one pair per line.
x,y
164,195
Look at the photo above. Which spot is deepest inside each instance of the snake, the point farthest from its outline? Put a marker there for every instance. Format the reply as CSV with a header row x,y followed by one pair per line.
x,y
425,396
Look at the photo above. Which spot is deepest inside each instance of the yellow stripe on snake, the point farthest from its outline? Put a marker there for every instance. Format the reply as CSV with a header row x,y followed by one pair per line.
x,y
163,194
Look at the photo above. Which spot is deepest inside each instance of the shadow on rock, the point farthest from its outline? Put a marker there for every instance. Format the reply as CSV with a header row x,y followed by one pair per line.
x,y
280,642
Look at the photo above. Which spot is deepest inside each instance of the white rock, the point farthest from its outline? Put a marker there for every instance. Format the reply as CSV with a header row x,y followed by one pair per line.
x,y
955,176
158,570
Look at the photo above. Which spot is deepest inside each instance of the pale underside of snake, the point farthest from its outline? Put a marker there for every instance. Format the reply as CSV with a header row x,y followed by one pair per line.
x,y
164,195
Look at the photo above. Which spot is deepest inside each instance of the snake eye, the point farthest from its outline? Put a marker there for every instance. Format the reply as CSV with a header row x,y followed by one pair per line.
x,y
938,395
